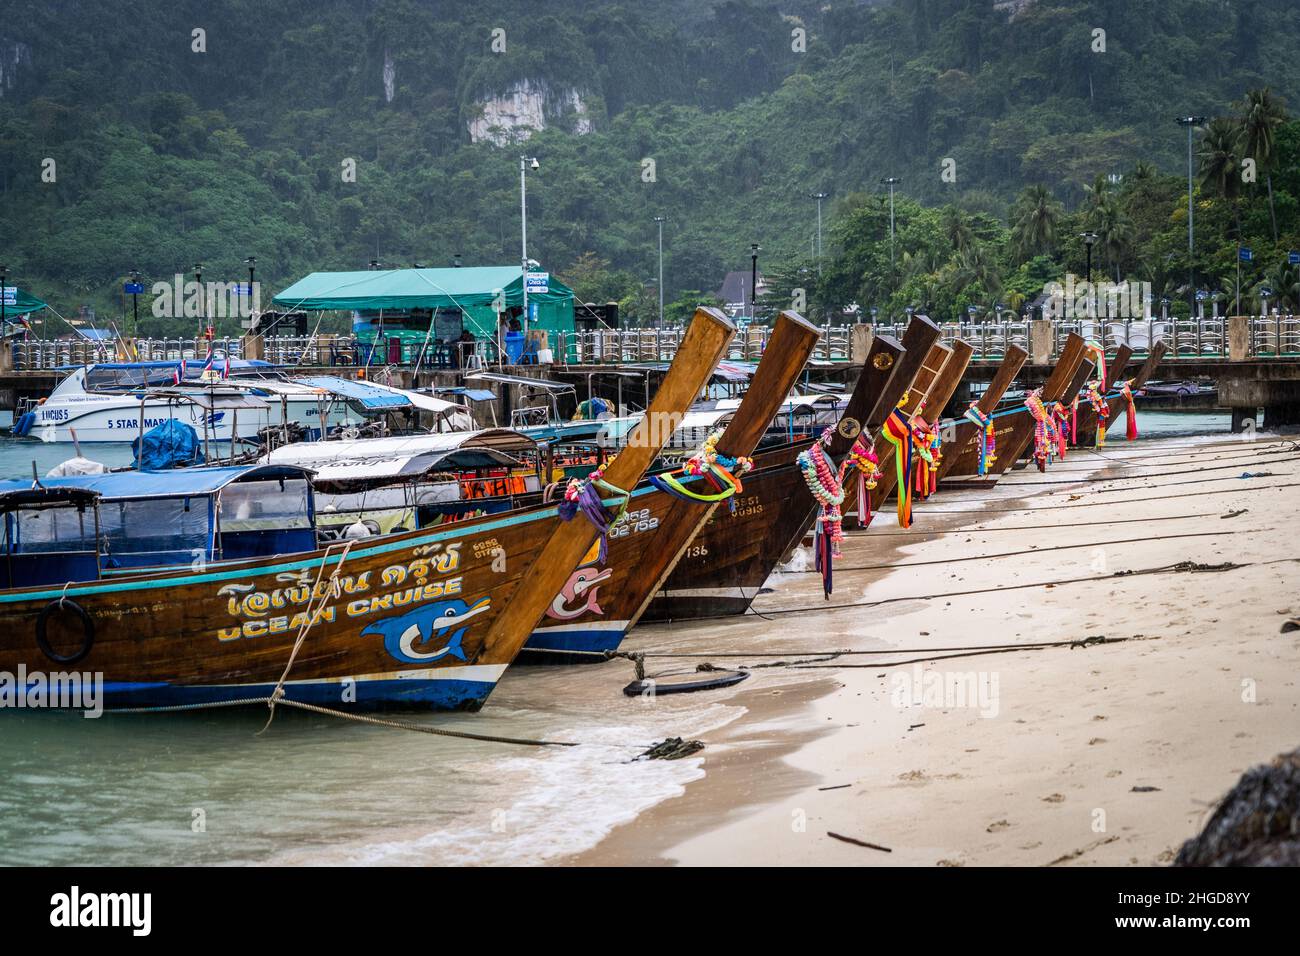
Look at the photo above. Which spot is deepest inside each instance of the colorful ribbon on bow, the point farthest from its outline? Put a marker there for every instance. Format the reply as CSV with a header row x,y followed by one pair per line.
x,y
899,434
1126,392
1046,435
583,495
984,431
720,471
926,457
827,486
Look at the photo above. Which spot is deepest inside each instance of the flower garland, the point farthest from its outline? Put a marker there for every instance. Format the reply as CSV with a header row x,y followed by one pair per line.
x,y
583,495
988,444
926,444
827,486
721,471
1046,437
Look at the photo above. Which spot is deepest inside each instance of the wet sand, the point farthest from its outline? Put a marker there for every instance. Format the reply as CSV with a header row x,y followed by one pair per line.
x,y
1108,754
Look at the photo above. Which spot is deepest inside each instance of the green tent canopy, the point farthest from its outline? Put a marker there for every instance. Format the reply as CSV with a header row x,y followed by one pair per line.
x,y
473,291
17,302
415,289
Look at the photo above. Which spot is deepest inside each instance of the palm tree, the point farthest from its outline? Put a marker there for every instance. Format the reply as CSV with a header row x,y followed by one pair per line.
x,y
1261,114
1037,217
956,227
1114,232
1220,160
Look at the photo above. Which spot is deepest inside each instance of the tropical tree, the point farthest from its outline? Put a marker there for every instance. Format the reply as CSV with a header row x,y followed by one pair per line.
x,y
1037,217
957,229
1261,113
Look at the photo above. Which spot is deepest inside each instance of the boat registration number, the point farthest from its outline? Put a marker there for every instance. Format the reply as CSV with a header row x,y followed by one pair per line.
x,y
633,522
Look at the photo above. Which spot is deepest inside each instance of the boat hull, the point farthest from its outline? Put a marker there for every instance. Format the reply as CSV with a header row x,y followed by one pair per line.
x,y
406,622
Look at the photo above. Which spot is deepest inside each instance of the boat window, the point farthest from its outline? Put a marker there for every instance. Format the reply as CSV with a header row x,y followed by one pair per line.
x,y
265,505
50,529
155,526
99,379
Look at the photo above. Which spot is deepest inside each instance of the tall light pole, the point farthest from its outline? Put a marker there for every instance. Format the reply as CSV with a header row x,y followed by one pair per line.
x,y
1191,122
525,163
4,274
819,197
660,220
753,282
891,182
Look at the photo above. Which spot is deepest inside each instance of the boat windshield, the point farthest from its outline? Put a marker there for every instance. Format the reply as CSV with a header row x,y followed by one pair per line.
x,y
102,378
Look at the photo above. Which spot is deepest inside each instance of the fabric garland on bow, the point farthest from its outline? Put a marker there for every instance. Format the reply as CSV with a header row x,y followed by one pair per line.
x,y
720,471
827,486
899,434
583,496
984,432
1130,411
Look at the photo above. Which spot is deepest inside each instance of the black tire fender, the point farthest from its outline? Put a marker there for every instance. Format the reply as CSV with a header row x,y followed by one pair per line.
x,y
87,630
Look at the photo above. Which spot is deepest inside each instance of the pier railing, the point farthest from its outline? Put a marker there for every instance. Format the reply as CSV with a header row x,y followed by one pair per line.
x,y
1269,336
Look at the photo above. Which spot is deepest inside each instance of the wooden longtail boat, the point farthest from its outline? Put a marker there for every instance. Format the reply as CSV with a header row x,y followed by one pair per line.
x,y
1117,400
427,618
1014,427
724,568
968,436
602,599
926,401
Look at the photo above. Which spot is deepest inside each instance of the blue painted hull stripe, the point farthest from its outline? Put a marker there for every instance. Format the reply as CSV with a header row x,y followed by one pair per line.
x,y
594,640
441,693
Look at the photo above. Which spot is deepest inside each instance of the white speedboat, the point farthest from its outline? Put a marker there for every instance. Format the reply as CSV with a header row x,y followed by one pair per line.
x,y
117,402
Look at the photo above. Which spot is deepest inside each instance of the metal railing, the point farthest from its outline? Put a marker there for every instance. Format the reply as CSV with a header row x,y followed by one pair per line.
x,y
1268,336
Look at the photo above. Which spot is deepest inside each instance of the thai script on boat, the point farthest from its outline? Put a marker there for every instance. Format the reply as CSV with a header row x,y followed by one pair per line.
x,y
260,610
57,690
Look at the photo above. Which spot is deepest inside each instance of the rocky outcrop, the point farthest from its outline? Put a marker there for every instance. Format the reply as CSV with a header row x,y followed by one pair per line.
x,y
526,106
14,56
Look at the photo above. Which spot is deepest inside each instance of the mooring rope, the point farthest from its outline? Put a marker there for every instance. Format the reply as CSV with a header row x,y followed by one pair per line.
x,y
1059,547
1110,478
1030,527
330,712
1178,567
1087,504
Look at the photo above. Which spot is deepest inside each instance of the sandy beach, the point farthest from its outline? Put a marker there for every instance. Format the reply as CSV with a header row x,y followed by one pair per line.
x,y
1100,754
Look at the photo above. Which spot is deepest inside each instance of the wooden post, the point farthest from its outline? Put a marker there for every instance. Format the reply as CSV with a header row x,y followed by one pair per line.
x,y
1040,341
1238,338
860,343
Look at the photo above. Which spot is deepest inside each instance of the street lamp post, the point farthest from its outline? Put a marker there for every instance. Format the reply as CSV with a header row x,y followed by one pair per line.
x,y
4,274
659,221
819,197
753,281
135,302
1191,122
1088,239
891,182
525,163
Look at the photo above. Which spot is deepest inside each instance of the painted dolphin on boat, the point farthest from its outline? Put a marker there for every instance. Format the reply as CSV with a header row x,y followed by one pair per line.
x,y
583,585
405,633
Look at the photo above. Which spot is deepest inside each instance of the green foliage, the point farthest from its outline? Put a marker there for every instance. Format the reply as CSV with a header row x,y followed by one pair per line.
x,y
167,157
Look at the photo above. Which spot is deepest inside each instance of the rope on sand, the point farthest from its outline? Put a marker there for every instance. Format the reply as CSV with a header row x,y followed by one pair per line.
x,y
1059,547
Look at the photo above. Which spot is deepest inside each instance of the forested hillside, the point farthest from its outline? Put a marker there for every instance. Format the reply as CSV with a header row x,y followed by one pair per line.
x,y
210,131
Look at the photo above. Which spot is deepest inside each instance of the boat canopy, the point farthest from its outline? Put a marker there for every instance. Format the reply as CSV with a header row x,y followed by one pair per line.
x,y
365,394
383,459
542,384
173,483
727,371
460,288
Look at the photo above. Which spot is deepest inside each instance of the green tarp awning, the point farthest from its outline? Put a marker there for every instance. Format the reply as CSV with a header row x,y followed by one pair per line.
x,y
18,302
415,289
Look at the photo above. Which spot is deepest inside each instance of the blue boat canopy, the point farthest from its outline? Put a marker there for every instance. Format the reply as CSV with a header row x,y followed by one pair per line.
x,y
364,394
176,483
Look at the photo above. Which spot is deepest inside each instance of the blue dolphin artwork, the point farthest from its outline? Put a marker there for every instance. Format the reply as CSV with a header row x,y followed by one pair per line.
x,y
405,634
